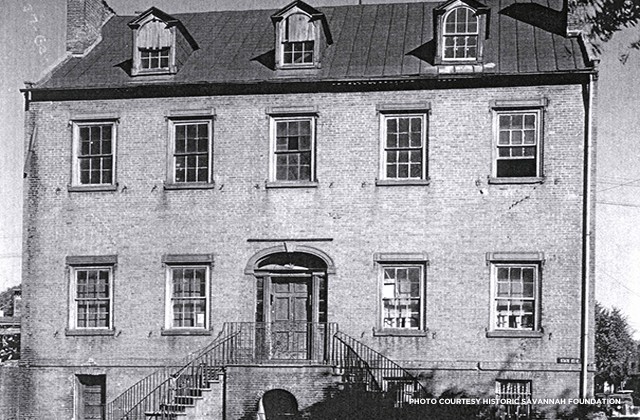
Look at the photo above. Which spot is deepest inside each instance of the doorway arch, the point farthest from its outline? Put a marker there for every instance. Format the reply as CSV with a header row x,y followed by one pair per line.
x,y
291,301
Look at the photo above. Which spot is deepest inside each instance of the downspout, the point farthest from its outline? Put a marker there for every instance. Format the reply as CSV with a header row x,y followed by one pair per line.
x,y
587,236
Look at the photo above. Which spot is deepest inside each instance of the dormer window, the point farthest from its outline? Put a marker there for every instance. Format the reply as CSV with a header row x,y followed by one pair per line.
x,y
299,42
154,59
302,33
160,43
461,28
460,35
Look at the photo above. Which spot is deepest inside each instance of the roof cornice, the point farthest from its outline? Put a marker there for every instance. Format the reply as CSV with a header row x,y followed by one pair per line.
x,y
304,86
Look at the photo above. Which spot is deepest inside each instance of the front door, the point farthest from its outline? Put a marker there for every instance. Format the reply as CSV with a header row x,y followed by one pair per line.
x,y
290,314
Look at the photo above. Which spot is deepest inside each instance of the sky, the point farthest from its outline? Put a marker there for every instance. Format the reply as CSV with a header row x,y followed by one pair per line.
x,y
33,42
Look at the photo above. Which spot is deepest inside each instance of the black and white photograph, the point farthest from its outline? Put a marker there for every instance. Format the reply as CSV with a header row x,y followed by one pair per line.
x,y
319,209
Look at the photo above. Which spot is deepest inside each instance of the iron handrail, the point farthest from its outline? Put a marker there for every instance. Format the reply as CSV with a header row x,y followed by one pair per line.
x,y
354,365
390,376
122,405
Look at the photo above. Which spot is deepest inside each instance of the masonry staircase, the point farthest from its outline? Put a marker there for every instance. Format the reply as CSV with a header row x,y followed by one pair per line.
x,y
177,392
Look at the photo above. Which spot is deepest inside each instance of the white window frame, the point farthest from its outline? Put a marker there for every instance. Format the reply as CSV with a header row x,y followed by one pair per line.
x,y
75,176
421,298
384,116
445,34
169,295
273,121
138,47
74,300
495,265
171,169
538,112
159,51
282,38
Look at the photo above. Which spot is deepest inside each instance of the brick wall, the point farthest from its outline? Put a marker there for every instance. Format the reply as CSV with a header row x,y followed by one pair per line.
x,y
456,219
246,385
11,377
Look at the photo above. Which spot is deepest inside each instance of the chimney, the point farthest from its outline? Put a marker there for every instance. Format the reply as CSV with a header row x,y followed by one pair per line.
x,y
84,23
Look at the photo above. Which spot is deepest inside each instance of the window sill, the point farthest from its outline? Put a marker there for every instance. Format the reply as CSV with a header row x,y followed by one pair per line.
x,y
291,184
178,331
290,66
400,182
89,332
153,72
517,180
92,188
189,186
383,332
513,334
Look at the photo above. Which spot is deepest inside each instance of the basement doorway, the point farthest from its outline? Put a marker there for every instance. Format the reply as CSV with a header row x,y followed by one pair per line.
x,y
278,404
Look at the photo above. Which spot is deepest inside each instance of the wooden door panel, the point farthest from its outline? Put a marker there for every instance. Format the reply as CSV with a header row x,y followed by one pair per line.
x,y
289,315
281,308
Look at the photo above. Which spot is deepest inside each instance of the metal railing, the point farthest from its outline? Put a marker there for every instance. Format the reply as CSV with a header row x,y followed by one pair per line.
x,y
167,392
355,368
166,386
264,342
375,370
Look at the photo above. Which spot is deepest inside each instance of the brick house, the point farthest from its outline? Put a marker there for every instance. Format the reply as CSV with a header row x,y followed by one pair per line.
x,y
249,214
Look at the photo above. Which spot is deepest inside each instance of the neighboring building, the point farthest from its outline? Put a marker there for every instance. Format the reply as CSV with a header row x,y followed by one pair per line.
x,y
308,203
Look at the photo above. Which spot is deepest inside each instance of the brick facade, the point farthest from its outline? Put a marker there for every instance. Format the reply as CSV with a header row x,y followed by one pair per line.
x,y
455,220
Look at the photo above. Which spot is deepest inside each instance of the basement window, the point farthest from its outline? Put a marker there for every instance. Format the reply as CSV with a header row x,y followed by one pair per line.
x,y
90,397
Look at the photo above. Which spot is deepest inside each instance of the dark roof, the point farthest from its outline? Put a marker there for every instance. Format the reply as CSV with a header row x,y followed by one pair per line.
x,y
373,42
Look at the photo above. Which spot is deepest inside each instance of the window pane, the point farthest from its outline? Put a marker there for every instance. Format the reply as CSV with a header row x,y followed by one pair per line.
x,y
401,297
192,152
516,168
95,154
293,150
515,291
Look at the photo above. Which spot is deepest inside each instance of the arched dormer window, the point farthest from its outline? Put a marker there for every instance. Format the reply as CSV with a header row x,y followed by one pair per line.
x,y
460,34
462,27
154,45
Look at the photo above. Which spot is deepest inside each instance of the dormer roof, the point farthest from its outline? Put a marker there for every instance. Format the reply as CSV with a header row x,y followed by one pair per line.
x,y
170,21
370,42
300,6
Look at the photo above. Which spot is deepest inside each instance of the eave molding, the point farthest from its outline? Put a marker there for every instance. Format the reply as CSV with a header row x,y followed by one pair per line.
x,y
302,86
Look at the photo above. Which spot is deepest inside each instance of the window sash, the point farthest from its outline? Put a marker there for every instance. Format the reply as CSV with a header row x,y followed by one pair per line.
x,y
460,33
297,52
403,148
154,59
517,144
402,296
188,297
293,149
460,47
94,153
92,298
515,297
191,147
